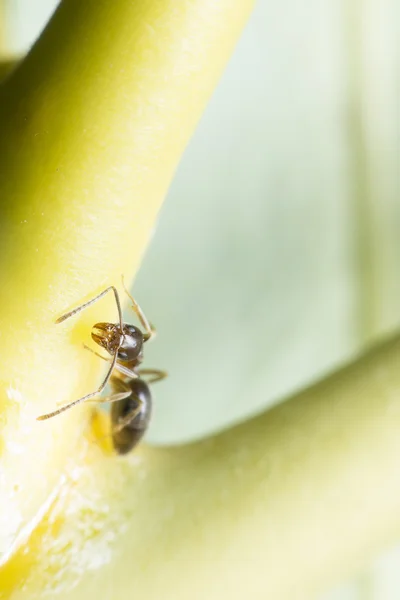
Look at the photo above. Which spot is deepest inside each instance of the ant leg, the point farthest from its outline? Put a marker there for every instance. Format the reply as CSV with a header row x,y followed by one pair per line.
x,y
118,366
149,329
115,397
157,374
112,398
89,302
96,353
84,398
122,423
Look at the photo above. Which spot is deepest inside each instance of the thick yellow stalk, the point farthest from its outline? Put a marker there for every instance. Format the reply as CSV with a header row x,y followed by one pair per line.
x,y
92,125
273,508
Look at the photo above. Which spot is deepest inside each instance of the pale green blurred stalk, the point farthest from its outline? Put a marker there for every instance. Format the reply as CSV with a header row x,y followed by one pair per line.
x,y
3,44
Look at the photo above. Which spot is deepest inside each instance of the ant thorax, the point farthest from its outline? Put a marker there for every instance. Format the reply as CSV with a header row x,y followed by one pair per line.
x,y
132,364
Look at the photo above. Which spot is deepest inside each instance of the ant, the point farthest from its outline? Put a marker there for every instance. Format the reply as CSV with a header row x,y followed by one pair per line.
x,y
131,398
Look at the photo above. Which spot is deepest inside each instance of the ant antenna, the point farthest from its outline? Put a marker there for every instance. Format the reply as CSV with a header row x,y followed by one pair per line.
x,y
92,301
75,402
150,331
114,358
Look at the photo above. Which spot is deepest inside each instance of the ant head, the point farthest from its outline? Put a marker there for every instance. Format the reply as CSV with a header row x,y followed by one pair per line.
x,y
128,343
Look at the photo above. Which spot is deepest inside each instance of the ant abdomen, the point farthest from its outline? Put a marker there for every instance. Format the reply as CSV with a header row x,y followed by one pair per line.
x,y
126,436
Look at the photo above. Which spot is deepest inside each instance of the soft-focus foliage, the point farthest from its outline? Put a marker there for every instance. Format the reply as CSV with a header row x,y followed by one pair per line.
x,y
276,256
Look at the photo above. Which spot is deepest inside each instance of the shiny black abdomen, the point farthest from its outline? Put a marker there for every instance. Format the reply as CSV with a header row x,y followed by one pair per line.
x,y
131,434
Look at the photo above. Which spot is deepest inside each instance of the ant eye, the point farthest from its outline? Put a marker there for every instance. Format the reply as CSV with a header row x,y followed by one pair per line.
x,y
131,347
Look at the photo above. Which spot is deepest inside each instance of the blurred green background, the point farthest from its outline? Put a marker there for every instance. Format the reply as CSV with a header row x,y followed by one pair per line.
x,y
276,257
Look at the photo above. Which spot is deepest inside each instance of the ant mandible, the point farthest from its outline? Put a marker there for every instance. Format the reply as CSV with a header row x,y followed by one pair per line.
x,y
131,398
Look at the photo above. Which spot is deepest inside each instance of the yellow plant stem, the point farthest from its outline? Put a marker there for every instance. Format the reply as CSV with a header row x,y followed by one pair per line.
x,y
92,125
274,508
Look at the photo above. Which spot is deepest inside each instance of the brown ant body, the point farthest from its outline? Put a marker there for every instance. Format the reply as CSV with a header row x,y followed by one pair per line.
x,y
131,398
